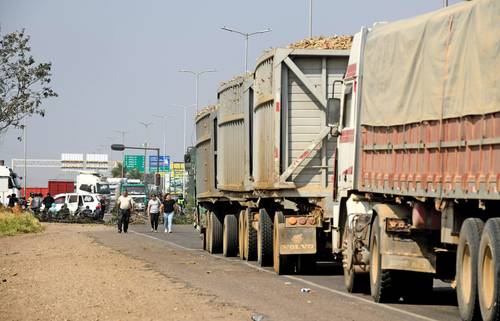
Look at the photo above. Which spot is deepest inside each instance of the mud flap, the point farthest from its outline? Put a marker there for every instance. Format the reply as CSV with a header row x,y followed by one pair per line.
x,y
297,240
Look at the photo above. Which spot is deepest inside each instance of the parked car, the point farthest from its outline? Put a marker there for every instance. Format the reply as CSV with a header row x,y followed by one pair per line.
x,y
76,201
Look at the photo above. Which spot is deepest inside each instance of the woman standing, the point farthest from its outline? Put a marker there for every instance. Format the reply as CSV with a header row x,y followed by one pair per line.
x,y
154,212
168,207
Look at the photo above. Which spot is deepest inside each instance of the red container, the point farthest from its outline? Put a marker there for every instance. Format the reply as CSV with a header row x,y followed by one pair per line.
x,y
58,187
41,190
456,158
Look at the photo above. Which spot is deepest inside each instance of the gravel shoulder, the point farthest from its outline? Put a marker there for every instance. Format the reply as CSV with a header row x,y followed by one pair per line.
x,y
63,274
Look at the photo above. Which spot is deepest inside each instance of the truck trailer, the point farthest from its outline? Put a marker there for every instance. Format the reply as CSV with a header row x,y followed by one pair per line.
x,y
265,153
418,159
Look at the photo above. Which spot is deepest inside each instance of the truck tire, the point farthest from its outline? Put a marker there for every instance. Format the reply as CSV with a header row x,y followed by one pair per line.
x,y
354,282
265,239
241,235
489,271
280,262
383,283
250,238
230,236
208,231
466,269
215,235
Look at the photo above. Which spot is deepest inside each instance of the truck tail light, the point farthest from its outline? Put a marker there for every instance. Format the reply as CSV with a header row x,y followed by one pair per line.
x,y
291,220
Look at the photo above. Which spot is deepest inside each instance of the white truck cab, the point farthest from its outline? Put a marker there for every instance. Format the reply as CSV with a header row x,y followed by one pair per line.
x,y
91,183
9,183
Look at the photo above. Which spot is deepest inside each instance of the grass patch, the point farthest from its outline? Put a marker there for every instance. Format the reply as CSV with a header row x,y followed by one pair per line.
x,y
16,223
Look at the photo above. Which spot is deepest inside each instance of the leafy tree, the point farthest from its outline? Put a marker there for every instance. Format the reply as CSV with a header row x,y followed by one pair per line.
x,y
134,174
24,84
117,170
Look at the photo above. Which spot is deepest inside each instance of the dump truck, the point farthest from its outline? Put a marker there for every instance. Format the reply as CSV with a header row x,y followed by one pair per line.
x,y
418,159
264,159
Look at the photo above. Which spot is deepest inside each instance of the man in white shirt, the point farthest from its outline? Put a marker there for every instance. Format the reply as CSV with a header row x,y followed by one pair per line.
x,y
125,205
154,212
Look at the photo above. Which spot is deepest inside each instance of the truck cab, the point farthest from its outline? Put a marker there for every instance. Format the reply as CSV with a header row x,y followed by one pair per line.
x,y
9,184
92,183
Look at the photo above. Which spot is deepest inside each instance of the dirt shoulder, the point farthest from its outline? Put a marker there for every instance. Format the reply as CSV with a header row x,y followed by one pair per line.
x,y
62,274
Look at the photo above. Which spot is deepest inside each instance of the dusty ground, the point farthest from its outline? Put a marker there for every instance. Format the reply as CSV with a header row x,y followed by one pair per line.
x,y
62,274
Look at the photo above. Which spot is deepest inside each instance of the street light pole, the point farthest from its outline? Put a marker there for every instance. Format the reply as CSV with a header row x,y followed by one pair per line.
x,y
146,125
246,35
25,167
197,75
310,19
185,107
164,118
122,132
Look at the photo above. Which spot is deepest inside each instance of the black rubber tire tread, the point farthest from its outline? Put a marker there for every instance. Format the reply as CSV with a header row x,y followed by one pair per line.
x,y
354,282
265,239
490,238
281,263
251,238
216,234
230,241
241,235
384,288
470,234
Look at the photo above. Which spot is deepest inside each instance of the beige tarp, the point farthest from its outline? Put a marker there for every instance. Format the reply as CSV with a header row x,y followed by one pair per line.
x,y
442,64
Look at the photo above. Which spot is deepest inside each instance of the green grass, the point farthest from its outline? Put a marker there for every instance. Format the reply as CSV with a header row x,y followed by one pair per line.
x,y
12,224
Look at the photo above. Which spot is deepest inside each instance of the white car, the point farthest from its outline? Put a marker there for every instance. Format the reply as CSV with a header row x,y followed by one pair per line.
x,y
76,201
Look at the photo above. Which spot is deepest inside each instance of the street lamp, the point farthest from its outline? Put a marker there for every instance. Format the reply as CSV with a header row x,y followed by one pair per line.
x,y
146,125
122,132
246,35
197,74
164,118
185,107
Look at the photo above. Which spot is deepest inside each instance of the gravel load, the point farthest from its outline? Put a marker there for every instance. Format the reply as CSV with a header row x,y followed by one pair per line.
x,y
322,42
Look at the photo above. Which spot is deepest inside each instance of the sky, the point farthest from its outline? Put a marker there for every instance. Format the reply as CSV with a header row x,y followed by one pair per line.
x,y
116,63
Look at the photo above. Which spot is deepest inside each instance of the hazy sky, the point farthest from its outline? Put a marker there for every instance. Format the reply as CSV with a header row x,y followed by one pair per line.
x,y
116,62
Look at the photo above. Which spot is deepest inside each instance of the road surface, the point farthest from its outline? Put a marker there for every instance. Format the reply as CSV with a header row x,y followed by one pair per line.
x,y
179,255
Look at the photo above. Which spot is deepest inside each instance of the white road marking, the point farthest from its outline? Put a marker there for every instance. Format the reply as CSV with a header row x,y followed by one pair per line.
x,y
298,279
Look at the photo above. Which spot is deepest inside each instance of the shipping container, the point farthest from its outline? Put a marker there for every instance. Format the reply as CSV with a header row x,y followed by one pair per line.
x,y
59,186
35,190
234,145
295,111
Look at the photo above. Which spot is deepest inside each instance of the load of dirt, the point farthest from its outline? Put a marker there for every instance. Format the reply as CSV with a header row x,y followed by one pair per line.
x,y
334,42
207,109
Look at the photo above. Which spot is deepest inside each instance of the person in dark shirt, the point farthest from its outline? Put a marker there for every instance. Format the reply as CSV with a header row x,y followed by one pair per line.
x,y
168,208
13,200
48,201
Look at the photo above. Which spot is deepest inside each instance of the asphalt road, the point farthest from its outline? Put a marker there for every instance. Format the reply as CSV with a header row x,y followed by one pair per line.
x,y
179,255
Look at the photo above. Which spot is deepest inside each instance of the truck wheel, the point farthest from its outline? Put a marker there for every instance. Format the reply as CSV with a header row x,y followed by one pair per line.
x,y
230,236
265,239
280,262
204,240
354,282
208,231
466,270
250,238
382,282
489,271
241,235
215,235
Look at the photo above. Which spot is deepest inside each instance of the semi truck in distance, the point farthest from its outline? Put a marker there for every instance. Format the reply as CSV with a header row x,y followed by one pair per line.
x,y
418,159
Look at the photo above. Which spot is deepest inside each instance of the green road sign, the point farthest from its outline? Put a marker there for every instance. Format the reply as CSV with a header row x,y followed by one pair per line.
x,y
134,161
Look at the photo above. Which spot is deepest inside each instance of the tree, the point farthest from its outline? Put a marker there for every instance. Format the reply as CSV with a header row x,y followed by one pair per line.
x,y
24,84
117,170
134,174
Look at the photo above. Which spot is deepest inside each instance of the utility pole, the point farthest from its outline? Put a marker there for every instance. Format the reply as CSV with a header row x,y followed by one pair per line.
x,y
25,167
246,35
445,3
146,125
197,74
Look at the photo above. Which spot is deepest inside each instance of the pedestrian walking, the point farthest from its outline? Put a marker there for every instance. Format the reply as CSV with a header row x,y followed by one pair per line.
x,y
13,200
168,207
125,205
153,211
